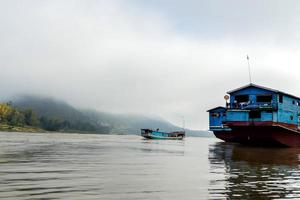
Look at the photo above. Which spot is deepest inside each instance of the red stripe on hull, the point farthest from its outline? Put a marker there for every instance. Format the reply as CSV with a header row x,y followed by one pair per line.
x,y
265,123
261,135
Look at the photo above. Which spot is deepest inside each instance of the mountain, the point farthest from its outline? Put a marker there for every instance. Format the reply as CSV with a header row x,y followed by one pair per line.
x,y
49,107
57,115
73,119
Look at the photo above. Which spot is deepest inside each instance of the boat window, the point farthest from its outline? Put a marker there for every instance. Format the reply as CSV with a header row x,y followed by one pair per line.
x,y
292,117
280,98
254,114
215,114
241,98
264,98
293,102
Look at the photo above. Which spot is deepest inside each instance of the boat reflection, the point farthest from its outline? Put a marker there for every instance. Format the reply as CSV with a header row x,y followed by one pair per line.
x,y
168,147
241,172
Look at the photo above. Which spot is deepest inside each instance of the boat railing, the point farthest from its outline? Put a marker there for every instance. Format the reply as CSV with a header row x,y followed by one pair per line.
x,y
255,105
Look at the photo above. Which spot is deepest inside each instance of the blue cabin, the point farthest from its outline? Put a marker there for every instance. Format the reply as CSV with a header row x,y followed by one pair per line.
x,y
256,104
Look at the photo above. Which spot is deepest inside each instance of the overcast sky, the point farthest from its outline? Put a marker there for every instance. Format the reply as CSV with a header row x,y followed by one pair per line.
x,y
160,57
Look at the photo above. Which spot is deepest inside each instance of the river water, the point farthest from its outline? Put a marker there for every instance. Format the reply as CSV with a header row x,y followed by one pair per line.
x,y
86,166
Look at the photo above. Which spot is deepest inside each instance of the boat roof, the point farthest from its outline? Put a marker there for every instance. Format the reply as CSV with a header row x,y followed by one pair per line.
x,y
261,87
219,107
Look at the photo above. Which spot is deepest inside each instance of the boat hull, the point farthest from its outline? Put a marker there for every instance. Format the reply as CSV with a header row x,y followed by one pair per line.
x,y
153,137
261,136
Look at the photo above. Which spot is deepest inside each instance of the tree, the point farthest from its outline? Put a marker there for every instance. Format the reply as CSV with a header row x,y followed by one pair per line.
x,y
5,111
16,118
30,118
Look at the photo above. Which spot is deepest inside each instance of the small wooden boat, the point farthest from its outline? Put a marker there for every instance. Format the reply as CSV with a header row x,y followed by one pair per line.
x,y
151,134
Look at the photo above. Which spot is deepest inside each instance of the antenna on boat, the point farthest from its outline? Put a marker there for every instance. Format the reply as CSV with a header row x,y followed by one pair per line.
x,y
249,69
183,123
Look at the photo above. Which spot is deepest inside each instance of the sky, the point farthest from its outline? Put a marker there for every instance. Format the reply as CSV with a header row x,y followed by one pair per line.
x,y
165,58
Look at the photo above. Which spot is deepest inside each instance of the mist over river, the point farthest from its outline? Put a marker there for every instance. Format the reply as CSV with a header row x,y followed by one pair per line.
x,y
86,166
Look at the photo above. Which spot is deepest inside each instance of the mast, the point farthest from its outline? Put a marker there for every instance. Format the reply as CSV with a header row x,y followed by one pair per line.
x,y
183,123
249,69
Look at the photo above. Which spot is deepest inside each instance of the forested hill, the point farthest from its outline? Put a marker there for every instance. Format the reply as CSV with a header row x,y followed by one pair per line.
x,y
54,115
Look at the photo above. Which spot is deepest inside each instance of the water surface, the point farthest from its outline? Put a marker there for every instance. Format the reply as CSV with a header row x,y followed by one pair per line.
x,y
84,166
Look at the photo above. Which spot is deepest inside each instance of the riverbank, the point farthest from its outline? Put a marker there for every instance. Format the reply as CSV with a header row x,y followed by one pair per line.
x,y
30,129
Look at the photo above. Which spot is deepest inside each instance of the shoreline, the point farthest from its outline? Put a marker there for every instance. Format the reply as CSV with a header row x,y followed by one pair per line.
x,y
32,129
29,129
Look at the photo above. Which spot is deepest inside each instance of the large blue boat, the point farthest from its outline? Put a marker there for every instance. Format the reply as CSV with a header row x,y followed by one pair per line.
x,y
257,115
151,134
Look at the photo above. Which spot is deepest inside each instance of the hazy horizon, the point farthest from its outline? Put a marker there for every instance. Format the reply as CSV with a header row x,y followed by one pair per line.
x,y
165,58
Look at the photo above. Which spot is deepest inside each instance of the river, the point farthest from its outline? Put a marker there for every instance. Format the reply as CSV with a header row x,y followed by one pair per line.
x,y
87,166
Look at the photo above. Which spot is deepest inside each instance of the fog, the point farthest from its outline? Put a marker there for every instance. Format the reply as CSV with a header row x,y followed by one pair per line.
x,y
164,58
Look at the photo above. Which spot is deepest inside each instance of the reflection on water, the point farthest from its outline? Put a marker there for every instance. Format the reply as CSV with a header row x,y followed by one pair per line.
x,y
254,173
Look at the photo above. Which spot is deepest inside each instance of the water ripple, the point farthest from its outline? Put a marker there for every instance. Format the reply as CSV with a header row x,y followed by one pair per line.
x,y
74,166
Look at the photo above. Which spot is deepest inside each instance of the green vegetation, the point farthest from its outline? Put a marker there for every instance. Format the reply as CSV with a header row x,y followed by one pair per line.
x,y
12,119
